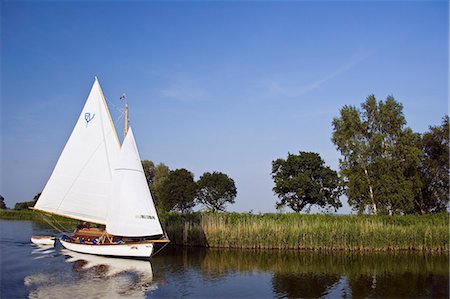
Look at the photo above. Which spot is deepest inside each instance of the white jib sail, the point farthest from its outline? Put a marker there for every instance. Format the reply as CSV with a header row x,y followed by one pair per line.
x,y
81,183
132,212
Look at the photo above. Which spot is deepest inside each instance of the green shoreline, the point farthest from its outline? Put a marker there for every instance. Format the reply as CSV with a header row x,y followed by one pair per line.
x,y
296,231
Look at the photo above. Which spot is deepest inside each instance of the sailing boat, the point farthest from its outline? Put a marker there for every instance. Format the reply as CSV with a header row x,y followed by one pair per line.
x,y
98,180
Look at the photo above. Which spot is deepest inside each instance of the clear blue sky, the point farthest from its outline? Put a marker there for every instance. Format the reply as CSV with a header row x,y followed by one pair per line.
x,y
213,86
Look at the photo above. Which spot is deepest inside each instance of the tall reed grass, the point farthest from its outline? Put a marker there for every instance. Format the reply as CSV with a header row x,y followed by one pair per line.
x,y
314,232
296,231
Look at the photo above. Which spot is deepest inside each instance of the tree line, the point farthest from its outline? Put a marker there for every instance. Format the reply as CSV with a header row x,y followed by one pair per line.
x,y
176,190
385,168
20,205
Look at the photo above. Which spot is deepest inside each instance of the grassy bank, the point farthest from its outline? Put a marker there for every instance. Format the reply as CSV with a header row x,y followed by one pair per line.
x,y
315,232
32,215
293,231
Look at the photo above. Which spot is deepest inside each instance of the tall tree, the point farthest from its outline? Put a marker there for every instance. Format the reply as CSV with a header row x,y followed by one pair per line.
x,y
303,180
178,191
155,176
215,190
161,173
434,170
2,203
378,155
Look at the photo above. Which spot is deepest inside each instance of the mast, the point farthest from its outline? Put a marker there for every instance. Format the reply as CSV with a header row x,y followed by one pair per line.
x,y
125,129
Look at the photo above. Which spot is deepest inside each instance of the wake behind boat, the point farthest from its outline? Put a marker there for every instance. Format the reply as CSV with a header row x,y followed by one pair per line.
x,y
98,180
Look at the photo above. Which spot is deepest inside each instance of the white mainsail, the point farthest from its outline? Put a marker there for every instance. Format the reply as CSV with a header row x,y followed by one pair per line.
x,y
81,183
131,212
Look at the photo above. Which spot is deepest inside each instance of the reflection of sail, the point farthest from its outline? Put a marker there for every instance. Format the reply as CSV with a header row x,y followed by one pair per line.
x,y
97,277
43,251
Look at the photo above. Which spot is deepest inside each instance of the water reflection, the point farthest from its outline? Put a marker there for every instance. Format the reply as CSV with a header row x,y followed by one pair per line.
x,y
405,285
310,285
42,251
313,274
39,272
94,277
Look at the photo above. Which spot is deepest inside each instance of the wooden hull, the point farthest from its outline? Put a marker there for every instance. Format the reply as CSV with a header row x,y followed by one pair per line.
x,y
136,250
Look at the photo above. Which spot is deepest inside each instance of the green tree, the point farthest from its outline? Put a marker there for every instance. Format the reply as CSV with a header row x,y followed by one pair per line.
x,y
155,176
178,191
27,204
149,170
2,203
380,156
161,173
215,190
434,170
304,180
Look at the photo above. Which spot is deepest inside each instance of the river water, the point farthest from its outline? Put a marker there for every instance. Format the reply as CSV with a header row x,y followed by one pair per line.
x,y
28,271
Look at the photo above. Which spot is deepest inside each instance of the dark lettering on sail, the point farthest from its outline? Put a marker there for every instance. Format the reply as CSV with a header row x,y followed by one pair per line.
x,y
146,217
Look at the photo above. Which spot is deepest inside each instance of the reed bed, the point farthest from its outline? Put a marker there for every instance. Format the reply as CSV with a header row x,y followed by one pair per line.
x,y
313,232
295,231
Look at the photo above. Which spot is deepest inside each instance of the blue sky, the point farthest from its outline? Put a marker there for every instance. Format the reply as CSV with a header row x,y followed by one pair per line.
x,y
213,86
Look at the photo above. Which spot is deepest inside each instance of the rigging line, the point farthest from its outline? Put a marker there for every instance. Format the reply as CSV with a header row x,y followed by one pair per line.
x,y
122,111
155,253
114,106
116,123
51,224
60,225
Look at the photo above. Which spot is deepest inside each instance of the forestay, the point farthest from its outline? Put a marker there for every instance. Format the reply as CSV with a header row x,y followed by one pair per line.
x,y
132,212
81,183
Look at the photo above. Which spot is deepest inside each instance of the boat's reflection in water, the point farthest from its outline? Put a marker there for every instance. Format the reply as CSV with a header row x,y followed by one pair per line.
x,y
94,277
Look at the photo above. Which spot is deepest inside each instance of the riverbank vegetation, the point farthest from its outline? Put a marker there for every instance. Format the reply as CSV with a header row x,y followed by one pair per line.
x,y
398,176
295,231
386,168
314,232
34,216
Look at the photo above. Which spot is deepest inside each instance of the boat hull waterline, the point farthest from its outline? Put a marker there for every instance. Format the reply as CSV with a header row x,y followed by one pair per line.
x,y
139,250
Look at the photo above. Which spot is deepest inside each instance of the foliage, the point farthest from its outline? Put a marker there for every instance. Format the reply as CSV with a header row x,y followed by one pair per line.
x,y
2,203
216,189
34,215
434,170
178,191
304,180
27,204
303,231
149,171
296,231
380,156
156,175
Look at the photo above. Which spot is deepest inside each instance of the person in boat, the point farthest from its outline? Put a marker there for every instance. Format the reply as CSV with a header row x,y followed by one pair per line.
x,y
83,225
